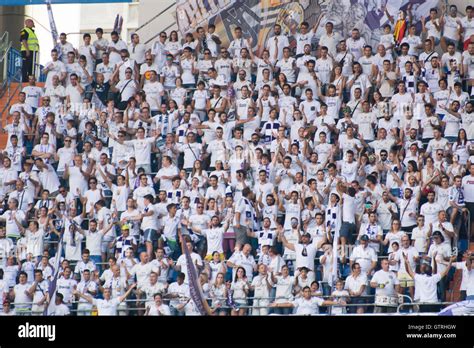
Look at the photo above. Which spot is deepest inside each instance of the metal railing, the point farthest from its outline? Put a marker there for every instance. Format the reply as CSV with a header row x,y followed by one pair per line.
x,y
138,305
10,93
156,16
5,45
151,20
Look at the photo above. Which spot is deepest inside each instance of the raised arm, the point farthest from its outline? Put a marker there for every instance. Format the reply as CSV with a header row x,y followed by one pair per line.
x,y
408,267
85,297
284,241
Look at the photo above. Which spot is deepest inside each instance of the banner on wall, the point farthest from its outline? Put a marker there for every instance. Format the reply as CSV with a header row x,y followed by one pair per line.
x,y
256,18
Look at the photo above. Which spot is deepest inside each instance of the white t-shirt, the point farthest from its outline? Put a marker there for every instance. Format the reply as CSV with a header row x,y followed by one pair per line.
x,y
426,288
388,279
307,307
214,238
142,148
93,242
105,307
305,255
363,256
142,271
468,188
153,92
33,95
183,263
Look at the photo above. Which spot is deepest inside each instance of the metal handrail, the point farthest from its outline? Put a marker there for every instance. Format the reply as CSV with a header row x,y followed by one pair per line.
x,y
155,17
5,37
158,34
10,94
424,303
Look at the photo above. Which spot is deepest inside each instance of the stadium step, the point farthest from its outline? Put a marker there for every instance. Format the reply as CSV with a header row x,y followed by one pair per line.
x,y
3,103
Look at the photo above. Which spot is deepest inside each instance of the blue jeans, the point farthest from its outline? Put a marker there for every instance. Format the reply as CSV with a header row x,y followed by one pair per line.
x,y
97,259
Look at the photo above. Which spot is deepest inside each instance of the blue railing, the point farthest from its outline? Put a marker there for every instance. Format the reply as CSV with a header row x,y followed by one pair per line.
x,y
14,64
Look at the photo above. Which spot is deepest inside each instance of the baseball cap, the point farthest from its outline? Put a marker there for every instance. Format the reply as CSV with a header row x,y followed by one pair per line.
x,y
364,237
125,227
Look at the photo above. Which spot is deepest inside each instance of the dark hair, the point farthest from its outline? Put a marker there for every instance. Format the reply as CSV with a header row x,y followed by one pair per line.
x,y
149,198
243,269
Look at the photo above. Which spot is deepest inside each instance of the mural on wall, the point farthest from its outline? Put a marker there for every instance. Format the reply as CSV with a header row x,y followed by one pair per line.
x,y
256,18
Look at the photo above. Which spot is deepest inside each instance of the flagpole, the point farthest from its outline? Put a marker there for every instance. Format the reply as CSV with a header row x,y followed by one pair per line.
x,y
193,280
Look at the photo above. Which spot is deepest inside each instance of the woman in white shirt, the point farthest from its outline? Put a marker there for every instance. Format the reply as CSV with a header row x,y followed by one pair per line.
x,y
461,147
173,46
218,294
178,94
395,235
421,235
200,173
338,80
240,288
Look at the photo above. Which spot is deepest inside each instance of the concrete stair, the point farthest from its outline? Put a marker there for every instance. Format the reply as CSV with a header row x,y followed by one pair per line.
x,y
4,120
3,102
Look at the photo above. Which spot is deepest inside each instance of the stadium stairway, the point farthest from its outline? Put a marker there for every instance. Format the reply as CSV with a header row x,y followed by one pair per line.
x,y
3,103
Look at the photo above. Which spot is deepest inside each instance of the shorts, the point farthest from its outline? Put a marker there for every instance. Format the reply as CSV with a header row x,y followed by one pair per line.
x,y
348,229
209,257
104,247
241,235
405,280
150,235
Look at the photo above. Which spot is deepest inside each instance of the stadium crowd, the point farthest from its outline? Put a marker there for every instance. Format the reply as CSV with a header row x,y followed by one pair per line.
x,y
259,160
